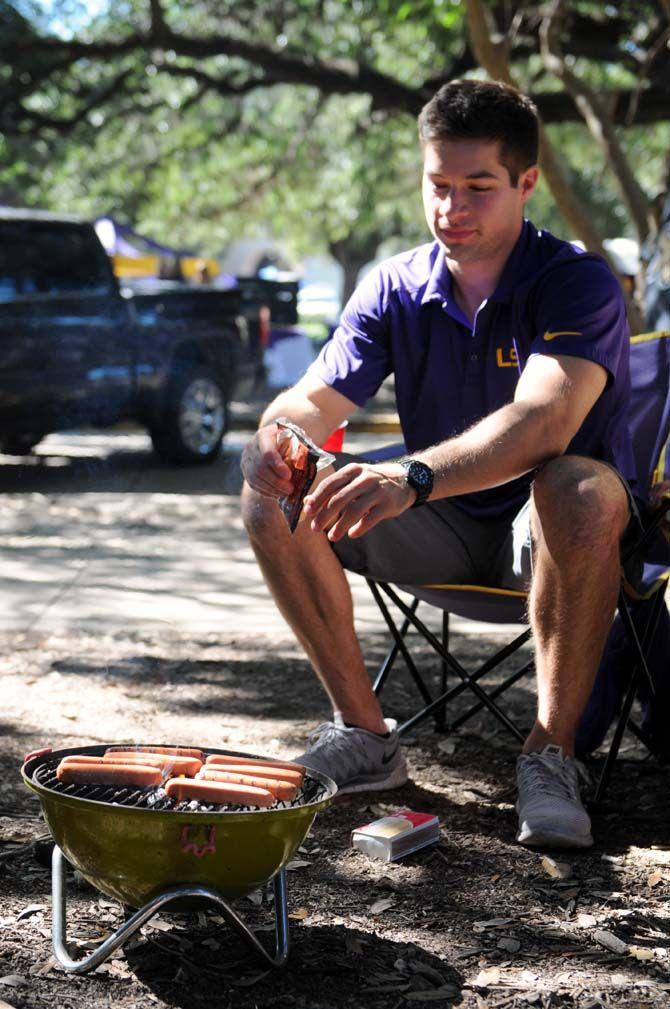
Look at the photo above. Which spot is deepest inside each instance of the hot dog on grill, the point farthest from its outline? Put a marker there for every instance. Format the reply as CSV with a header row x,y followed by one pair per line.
x,y
219,792
280,789
171,765
137,775
286,765
178,751
262,771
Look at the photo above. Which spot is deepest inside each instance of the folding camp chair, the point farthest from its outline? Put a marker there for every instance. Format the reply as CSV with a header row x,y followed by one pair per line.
x,y
650,420
481,603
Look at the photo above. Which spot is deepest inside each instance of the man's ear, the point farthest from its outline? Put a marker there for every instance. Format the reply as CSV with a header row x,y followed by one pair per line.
x,y
528,181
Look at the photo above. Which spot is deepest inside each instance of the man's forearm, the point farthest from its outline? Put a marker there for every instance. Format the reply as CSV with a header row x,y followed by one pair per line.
x,y
506,444
301,411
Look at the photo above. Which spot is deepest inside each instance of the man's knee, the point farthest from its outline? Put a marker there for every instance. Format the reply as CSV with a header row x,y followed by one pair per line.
x,y
580,500
261,515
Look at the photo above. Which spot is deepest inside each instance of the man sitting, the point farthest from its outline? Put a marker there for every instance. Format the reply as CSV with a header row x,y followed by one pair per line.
x,y
509,350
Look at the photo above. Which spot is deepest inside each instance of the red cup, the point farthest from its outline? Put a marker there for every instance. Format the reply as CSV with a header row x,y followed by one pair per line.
x,y
335,439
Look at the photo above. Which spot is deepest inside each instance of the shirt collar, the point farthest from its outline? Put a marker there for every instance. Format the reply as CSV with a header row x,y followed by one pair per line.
x,y
439,286
517,268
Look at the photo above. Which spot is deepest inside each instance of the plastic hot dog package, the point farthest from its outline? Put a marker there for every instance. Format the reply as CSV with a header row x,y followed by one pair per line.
x,y
305,459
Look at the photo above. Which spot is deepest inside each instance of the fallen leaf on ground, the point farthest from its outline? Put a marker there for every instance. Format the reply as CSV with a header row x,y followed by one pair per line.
x,y
31,909
381,809
424,970
380,906
447,746
14,980
297,863
6,1005
299,915
610,941
493,923
641,952
161,924
486,977
42,968
255,897
586,920
654,879
113,968
510,945
557,870
19,831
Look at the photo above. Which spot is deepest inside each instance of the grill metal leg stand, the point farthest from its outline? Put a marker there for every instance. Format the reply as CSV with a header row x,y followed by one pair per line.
x,y
129,927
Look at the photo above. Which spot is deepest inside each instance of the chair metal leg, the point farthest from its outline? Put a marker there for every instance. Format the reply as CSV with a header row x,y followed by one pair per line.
x,y
494,692
441,712
468,680
640,668
399,639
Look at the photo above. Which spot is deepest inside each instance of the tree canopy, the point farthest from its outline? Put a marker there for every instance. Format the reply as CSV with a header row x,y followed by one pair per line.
x,y
299,115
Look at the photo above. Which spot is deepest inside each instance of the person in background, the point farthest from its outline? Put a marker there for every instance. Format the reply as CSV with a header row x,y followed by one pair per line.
x,y
509,350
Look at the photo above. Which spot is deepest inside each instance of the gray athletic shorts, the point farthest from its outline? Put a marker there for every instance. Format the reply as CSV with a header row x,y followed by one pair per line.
x,y
440,544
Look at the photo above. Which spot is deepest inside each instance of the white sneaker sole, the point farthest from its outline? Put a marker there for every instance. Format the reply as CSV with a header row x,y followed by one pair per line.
x,y
396,779
552,839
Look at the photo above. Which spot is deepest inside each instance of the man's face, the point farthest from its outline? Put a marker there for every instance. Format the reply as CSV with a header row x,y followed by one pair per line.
x,y
471,207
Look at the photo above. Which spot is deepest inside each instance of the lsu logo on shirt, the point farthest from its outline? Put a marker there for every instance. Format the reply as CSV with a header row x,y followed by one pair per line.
x,y
506,357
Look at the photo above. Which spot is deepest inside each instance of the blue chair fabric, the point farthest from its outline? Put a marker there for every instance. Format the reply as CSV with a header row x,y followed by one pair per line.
x,y
635,659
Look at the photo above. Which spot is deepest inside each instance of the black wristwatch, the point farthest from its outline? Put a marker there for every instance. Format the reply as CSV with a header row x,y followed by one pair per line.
x,y
420,478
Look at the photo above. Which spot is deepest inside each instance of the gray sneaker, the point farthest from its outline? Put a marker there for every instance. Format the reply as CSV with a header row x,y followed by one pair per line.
x,y
356,760
550,808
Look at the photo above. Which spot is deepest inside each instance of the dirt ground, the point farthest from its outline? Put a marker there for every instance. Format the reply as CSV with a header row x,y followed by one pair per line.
x,y
475,921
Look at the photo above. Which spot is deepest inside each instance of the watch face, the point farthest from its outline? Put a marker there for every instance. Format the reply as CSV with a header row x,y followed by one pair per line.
x,y
420,475
420,478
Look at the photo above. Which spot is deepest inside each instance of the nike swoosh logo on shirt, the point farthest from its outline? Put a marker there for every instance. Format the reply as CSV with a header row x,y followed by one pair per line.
x,y
389,756
561,332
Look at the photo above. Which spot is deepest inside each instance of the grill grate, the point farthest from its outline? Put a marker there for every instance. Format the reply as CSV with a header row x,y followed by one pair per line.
x,y
156,798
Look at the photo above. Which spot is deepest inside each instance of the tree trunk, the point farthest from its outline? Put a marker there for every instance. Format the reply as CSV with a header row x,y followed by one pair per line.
x,y
352,255
598,121
492,55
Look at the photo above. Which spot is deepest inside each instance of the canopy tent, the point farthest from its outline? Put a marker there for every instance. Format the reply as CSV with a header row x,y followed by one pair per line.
x,y
136,255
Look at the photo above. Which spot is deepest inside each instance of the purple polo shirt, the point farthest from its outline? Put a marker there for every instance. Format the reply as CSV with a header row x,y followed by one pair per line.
x,y
551,299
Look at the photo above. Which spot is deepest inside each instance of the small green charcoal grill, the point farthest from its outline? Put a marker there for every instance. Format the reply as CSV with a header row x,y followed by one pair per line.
x,y
148,851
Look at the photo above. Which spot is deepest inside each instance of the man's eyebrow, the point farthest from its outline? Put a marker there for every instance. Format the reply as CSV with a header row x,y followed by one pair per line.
x,y
483,174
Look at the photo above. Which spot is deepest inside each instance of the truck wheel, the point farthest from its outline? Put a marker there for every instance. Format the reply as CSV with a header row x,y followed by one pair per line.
x,y
18,444
195,420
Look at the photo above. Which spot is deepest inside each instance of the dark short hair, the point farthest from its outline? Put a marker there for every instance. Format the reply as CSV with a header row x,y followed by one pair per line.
x,y
485,110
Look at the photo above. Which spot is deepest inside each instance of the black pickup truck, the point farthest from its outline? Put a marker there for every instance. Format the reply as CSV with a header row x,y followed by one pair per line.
x,y
77,349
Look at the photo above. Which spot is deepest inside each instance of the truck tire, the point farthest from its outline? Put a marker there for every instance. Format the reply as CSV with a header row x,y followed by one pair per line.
x,y
19,444
195,419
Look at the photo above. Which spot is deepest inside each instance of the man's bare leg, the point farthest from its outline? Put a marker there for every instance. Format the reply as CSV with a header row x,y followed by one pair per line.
x,y
312,592
579,513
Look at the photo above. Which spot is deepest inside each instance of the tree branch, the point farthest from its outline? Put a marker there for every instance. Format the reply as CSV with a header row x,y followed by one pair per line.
x,y
65,125
491,57
597,119
660,43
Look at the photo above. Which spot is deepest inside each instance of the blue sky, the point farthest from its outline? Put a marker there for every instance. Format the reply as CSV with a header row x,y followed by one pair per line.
x,y
61,21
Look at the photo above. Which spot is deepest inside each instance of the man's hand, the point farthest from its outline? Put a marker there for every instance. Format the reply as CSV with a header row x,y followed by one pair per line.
x,y
356,498
263,467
